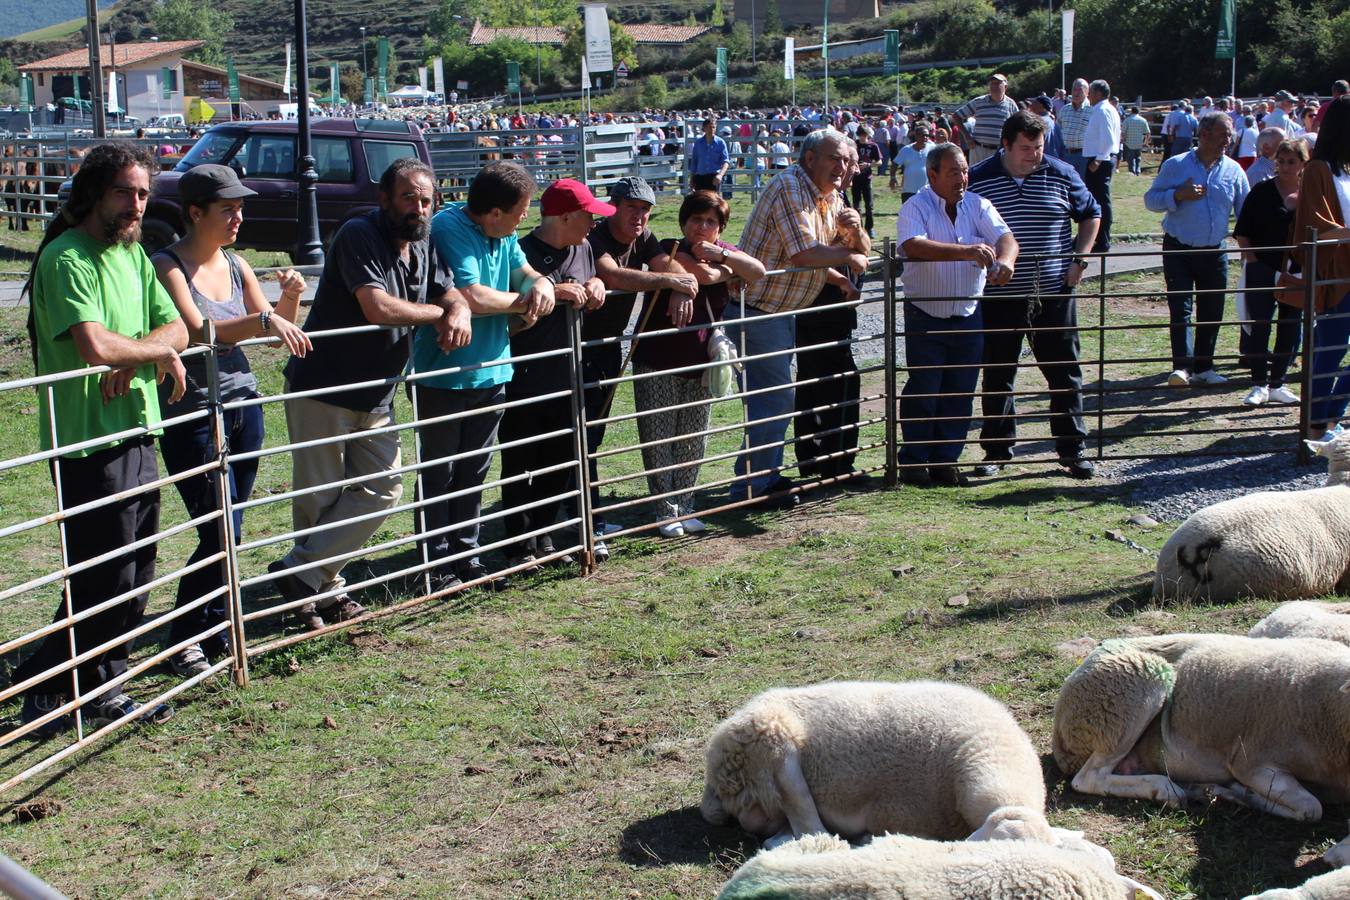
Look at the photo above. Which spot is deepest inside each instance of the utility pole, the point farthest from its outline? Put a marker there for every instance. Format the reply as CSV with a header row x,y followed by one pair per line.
x,y
95,69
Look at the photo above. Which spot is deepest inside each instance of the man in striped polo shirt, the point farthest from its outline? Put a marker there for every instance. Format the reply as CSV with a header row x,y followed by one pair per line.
x,y
990,111
1039,198
1073,119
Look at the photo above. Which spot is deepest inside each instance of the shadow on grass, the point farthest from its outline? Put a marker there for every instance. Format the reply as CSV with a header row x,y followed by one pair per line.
x,y
682,837
1130,596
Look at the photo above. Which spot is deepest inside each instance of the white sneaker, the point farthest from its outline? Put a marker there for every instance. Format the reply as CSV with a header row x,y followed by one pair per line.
x,y
1282,394
694,526
1256,396
1209,376
672,529
1179,378
189,661
601,551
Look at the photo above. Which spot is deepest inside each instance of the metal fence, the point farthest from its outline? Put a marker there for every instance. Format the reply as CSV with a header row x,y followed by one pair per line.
x,y
390,525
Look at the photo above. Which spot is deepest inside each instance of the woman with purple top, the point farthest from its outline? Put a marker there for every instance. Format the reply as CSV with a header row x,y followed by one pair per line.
x,y
675,408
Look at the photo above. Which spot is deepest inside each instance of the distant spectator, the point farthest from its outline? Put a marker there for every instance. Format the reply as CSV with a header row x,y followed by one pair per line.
x,y
1244,143
1284,115
1339,88
1197,192
1267,142
1267,220
1133,139
913,162
1101,143
1072,121
868,155
709,158
989,111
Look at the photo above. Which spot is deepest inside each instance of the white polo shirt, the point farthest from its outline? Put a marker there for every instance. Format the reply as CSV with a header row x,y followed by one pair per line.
x,y
959,282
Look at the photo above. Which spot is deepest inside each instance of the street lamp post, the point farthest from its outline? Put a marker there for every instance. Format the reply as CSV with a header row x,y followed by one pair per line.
x,y
825,52
364,76
308,248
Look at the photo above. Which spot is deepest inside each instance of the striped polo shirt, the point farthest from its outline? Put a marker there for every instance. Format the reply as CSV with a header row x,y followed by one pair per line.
x,y
990,114
1072,124
1041,212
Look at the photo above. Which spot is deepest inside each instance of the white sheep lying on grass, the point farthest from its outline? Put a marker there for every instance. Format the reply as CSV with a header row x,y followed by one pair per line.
x,y
1184,715
1302,618
1278,544
854,758
1331,886
900,867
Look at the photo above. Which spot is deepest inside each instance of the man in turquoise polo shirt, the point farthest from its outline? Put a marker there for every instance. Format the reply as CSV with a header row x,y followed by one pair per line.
x,y
476,242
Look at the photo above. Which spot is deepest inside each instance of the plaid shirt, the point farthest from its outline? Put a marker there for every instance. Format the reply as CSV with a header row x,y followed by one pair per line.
x,y
791,216
1072,124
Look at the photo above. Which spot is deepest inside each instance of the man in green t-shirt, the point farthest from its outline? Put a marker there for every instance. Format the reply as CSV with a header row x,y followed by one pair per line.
x,y
95,301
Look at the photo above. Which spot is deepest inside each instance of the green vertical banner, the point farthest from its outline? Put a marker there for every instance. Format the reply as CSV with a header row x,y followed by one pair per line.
x,y
382,65
513,78
892,53
166,83
1226,45
334,90
27,99
234,79
76,85
722,65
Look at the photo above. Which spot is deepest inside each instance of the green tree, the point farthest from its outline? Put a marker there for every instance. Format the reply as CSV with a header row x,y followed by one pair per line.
x,y
8,73
188,20
718,19
654,91
773,21
690,20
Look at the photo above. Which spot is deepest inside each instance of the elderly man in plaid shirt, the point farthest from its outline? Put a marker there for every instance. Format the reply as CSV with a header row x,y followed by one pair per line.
x,y
799,221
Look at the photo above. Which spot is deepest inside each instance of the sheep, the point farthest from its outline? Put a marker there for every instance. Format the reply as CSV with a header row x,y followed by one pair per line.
x,y
1282,545
900,867
1246,719
1331,886
1328,621
925,758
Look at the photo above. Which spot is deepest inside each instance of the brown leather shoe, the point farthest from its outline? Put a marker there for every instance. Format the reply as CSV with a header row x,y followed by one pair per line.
x,y
342,609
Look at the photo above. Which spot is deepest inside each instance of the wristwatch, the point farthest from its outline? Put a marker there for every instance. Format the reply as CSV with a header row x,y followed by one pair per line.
x,y
1080,262
725,254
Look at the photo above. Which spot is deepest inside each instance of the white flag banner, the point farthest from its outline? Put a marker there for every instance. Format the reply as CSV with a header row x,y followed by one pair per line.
x,y
1066,39
599,54
585,73
789,60
286,83
438,70
112,92
422,78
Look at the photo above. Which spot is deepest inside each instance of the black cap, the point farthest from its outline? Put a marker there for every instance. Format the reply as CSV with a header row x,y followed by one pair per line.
x,y
632,188
202,184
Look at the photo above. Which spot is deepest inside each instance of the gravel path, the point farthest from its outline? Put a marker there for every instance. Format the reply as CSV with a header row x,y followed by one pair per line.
x,y
1171,489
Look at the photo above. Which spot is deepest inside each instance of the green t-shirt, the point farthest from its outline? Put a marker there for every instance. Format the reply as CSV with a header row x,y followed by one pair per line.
x,y
80,279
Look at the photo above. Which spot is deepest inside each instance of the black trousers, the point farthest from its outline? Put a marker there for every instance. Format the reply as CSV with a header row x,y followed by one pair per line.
x,y
1269,368
709,182
1099,185
93,533
597,363
834,322
862,199
520,423
1056,353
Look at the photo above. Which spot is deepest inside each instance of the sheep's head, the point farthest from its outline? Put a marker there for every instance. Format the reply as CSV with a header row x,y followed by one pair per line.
x,y
1337,453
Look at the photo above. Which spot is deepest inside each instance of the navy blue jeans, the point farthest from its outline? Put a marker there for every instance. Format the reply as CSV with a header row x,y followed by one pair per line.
x,y
1330,383
936,402
1186,274
188,445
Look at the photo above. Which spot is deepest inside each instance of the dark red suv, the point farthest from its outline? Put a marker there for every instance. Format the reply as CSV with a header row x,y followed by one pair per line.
x,y
350,155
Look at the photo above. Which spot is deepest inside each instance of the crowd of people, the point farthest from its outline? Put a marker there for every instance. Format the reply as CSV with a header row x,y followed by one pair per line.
x,y
473,323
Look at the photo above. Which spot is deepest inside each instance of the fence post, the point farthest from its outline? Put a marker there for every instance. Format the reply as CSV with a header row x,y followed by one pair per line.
x,y
1101,356
238,639
889,359
578,397
1309,321
581,153
41,182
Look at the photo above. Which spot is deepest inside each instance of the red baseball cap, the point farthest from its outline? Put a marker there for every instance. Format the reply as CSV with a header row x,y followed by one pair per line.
x,y
569,195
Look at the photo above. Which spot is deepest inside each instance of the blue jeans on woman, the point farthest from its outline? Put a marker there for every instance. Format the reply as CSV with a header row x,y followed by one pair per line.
x,y
186,446
1330,384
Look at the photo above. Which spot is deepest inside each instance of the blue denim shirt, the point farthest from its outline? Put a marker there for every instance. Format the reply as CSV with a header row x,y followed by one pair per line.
x,y
1203,222
706,158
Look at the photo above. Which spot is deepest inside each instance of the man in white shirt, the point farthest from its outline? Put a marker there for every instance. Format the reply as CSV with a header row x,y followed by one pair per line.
x,y
1101,140
1282,116
953,241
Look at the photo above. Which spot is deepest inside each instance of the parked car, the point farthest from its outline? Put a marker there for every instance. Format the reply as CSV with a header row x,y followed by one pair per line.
x,y
350,156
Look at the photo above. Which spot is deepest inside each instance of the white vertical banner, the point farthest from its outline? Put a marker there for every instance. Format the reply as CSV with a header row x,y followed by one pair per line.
x,y
585,73
438,70
286,83
1066,38
422,78
112,91
789,60
599,54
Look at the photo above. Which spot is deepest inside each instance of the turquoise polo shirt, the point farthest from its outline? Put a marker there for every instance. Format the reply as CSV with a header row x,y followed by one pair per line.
x,y
472,258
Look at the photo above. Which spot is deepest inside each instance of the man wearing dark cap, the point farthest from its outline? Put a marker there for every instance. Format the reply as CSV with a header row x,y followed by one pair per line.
x,y
558,250
623,245
990,111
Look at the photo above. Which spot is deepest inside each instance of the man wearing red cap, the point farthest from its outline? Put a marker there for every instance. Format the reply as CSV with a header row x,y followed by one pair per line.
x,y
558,250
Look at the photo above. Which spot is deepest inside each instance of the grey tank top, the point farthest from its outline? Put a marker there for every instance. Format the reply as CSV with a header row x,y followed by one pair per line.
x,y
236,378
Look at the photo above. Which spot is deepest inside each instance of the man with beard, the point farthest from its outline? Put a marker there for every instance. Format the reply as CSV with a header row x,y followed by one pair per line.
x,y
95,301
465,386
380,270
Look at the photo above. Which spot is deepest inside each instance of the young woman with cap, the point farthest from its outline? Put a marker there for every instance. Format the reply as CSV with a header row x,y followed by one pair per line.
x,y
207,282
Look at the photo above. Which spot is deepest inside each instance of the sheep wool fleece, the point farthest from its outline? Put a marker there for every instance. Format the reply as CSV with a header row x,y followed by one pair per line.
x,y
1306,619
1331,886
899,867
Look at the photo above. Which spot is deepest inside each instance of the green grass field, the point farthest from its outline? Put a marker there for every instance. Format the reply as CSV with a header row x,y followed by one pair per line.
x,y
546,742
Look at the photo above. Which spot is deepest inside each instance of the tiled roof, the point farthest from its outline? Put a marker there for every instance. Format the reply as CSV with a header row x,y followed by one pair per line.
x,y
127,55
553,34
